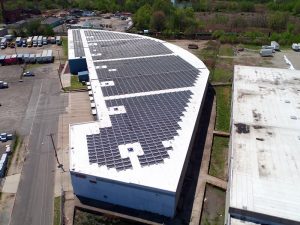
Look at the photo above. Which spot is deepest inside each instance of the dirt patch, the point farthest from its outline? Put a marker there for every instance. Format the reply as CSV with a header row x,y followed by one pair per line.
x,y
219,158
213,206
6,205
83,217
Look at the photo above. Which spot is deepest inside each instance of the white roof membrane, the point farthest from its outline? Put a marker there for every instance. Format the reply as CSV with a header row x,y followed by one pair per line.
x,y
265,139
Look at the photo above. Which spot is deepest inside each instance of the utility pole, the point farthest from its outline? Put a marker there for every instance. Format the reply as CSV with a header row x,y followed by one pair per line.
x,y
61,84
55,152
59,58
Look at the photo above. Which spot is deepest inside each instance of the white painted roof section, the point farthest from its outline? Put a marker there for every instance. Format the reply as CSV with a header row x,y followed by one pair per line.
x,y
234,221
164,176
265,162
71,46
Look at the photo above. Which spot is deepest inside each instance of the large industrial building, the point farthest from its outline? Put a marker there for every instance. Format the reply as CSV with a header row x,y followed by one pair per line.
x,y
148,95
264,165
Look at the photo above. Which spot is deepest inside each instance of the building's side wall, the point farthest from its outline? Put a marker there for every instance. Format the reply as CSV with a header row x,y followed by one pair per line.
x,y
124,194
259,218
77,65
187,159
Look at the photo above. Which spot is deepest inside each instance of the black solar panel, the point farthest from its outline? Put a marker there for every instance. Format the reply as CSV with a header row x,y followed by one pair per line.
x,y
143,75
127,48
78,46
94,36
153,82
142,66
148,120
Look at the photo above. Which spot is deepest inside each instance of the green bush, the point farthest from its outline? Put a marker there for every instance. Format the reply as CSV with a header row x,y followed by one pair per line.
x,y
218,33
278,21
229,38
296,9
247,6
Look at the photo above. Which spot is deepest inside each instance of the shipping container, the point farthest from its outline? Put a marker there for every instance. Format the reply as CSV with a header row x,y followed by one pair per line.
x,y
14,59
2,170
7,59
26,58
32,58
2,57
3,164
38,57
20,57
50,57
44,56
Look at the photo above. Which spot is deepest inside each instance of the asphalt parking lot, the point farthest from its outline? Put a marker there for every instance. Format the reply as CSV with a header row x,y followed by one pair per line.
x,y
31,108
15,99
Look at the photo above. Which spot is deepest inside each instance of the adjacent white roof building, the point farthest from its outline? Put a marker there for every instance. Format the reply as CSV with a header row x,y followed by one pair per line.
x,y
147,94
264,175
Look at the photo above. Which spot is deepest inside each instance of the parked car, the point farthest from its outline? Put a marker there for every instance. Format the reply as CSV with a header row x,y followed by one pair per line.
x,y
28,74
193,46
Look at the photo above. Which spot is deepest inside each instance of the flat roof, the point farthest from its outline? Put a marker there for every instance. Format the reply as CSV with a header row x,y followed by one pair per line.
x,y
147,94
264,178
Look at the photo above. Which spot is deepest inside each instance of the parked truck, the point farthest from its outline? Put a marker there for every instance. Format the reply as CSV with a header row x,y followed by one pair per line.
x,y
45,41
40,41
34,41
275,45
58,40
3,43
24,42
265,52
19,41
296,47
29,42
268,47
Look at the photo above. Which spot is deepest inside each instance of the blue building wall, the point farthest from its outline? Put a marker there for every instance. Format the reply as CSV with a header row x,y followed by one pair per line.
x,y
127,195
77,65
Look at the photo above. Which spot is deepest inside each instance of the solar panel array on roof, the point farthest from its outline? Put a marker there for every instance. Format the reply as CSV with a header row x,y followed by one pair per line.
x,y
127,48
94,36
78,46
148,120
141,67
143,75
153,82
